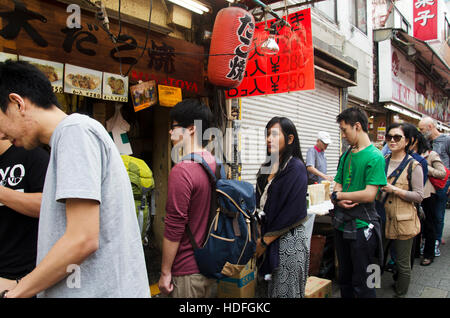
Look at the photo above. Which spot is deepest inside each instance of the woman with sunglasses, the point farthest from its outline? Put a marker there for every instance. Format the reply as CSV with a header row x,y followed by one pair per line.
x,y
402,194
281,188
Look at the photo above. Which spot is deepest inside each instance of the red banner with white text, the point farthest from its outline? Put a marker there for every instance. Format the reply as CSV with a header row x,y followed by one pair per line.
x,y
425,18
292,69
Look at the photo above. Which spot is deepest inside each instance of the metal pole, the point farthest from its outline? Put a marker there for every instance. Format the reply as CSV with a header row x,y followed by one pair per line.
x,y
271,12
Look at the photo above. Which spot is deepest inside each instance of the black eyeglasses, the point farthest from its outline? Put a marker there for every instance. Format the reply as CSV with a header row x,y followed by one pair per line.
x,y
396,138
173,126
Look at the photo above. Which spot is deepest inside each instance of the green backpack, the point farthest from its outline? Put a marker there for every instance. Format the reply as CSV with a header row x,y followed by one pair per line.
x,y
142,182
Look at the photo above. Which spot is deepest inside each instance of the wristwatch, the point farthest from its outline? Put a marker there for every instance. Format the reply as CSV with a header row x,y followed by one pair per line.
x,y
333,196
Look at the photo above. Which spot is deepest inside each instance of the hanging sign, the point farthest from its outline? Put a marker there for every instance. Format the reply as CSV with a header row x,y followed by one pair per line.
x,y
292,69
143,95
115,87
54,71
169,96
381,131
45,30
425,19
82,81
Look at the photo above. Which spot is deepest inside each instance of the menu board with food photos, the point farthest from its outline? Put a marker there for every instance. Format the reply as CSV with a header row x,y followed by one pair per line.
x,y
54,71
82,81
115,87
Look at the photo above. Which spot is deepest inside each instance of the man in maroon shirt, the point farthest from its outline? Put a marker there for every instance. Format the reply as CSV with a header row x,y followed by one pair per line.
x,y
188,203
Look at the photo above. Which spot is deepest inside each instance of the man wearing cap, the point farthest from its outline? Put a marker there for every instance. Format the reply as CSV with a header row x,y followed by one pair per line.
x,y
316,162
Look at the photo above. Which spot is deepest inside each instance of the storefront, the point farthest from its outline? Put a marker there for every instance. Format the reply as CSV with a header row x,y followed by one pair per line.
x,y
413,80
41,33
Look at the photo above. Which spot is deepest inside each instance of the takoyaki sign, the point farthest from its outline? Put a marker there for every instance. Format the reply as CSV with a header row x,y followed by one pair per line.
x,y
41,30
291,69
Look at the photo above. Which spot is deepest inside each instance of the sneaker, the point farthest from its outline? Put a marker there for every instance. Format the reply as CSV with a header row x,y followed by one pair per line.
x,y
422,246
437,252
390,266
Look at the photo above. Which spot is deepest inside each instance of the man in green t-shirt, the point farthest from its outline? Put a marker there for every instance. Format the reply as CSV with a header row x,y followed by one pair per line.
x,y
361,172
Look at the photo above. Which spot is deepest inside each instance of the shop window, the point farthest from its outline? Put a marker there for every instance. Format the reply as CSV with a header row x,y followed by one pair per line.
x,y
358,14
328,8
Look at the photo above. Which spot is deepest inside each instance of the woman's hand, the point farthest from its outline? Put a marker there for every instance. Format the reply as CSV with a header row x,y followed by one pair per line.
x,y
389,188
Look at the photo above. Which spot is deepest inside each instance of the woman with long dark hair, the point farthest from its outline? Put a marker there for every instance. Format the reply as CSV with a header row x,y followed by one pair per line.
x,y
281,195
435,169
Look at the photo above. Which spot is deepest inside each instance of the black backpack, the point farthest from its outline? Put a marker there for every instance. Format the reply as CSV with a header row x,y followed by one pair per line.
x,y
232,227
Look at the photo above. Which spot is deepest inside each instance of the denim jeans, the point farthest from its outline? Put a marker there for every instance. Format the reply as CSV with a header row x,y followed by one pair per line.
x,y
441,202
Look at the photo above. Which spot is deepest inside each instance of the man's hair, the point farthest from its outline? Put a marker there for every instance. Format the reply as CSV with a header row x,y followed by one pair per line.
x,y
26,80
353,115
188,111
428,120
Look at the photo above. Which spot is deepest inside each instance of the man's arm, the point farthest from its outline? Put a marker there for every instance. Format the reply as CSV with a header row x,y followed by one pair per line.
x,y
169,251
78,242
364,196
315,171
28,204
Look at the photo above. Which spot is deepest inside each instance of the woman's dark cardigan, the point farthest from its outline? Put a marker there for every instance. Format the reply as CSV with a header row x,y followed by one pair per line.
x,y
285,208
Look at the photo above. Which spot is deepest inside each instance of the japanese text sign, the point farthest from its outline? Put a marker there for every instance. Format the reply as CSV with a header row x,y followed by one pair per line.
x,y
169,96
425,19
291,69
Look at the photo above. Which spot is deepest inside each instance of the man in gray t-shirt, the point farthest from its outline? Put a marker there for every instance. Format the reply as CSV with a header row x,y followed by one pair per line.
x,y
89,243
316,162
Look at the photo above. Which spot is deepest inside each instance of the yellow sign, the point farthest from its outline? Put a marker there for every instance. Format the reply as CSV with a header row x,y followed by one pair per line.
x,y
168,95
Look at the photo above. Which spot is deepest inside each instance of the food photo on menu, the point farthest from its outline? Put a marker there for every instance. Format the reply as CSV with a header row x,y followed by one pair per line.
x,y
53,70
82,81
115,87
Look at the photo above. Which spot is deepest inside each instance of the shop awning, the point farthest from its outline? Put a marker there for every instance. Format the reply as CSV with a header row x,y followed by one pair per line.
x,y
425,58
412,114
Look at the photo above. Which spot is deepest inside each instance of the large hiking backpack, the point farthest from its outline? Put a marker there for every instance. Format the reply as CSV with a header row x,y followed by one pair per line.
x,y
141,178
232,227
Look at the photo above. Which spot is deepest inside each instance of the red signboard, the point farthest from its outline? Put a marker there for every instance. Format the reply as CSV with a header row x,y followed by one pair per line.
x,y
425,19
292,69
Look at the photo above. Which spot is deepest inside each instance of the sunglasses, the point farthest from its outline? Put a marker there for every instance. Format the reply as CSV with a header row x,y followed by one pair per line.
x,y
396,138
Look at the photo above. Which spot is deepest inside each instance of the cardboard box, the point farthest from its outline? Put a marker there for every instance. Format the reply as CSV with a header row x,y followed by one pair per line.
x,y
242,285
318,288
327,189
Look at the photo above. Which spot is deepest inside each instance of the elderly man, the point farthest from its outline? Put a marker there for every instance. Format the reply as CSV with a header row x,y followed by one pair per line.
x,y
316,162
440,144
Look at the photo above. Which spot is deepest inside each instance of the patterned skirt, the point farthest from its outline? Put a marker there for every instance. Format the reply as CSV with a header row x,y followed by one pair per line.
x,y
289,279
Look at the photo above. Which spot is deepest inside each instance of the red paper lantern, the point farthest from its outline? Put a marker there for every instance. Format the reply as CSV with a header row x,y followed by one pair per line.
x,y
231,41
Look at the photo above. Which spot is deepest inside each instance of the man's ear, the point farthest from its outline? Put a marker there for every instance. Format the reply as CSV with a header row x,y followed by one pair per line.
x,y
18,101
192,129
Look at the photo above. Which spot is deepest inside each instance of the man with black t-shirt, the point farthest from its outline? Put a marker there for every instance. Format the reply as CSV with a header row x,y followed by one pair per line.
x,y
22,175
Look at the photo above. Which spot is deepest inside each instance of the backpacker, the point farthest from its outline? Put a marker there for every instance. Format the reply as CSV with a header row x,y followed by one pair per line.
x,y
232,227
141,178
